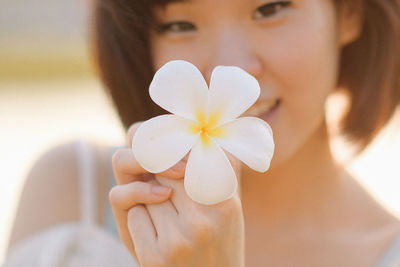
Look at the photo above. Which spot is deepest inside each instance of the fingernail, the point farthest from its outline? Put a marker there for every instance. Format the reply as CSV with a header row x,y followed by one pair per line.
x,y
160,190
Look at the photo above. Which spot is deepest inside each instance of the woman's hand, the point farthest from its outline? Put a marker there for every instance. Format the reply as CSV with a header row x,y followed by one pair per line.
x,y
171,229
133,188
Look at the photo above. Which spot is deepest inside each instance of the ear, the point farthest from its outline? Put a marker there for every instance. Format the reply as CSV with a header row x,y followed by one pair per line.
x,y
350,22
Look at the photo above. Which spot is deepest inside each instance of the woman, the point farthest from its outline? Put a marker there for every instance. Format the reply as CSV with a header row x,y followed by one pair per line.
x,y
306,210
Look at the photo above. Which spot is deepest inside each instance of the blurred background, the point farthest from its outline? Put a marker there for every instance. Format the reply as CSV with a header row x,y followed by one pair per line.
x,y
48,91
49,94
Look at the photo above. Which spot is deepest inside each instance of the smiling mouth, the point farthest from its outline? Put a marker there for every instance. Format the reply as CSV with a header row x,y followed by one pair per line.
x,y
263,108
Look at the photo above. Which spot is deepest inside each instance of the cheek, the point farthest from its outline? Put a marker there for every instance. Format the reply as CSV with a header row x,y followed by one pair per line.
x,y
164,51
303,63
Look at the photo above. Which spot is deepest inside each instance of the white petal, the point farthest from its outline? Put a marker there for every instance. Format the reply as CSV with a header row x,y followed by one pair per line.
x,y
159,143
209,176
179,87
232,92
250,139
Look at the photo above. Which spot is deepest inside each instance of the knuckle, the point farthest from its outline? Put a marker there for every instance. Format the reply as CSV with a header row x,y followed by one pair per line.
x,y
117,159
113,195
124,196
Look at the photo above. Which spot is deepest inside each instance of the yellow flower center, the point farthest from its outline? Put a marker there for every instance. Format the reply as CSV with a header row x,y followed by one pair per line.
x,y
206,127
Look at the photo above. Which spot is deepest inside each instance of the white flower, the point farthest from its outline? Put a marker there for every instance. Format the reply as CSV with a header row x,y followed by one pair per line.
x,y
204,121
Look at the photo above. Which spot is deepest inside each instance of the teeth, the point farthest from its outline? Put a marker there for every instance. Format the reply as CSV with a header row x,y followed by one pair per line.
x,y
260,108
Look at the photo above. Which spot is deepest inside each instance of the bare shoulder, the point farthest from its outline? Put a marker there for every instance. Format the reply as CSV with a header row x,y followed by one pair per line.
x,y
382,227
50,194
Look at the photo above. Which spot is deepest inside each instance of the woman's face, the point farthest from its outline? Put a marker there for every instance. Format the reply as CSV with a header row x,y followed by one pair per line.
x,y
291,47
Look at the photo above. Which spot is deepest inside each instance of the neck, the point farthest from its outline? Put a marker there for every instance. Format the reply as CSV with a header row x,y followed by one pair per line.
x,y
295,191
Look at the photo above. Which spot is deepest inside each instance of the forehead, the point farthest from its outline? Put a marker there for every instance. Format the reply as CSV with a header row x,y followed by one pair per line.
x,y
164,3
211,5
206,6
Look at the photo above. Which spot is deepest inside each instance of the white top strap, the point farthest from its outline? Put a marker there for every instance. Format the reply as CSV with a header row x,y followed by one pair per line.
x,y
87,183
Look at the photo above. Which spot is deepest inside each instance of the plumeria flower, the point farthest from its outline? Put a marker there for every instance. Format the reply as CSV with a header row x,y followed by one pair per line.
x,y
204,122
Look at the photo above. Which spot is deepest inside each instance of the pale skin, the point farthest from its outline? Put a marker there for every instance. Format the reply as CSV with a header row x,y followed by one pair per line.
x,y
305,211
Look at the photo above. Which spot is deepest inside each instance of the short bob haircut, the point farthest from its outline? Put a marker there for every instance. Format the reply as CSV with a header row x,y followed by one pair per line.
x,y
369,68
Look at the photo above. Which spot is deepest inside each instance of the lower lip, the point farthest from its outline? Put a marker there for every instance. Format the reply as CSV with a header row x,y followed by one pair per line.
x,y
271,115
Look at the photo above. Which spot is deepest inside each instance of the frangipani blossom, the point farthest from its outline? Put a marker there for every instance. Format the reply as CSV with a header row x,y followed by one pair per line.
x,y
204,122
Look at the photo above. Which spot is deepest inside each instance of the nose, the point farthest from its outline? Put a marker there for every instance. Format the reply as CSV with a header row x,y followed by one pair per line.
x,y
232,48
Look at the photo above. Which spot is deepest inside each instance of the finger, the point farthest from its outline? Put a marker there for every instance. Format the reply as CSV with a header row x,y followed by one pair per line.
x,y
131,132
123,198
190,213
163,215
127,169
141,231
182,202
179,198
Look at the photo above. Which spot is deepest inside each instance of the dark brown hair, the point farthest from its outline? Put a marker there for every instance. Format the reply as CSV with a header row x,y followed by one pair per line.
x,y
370,66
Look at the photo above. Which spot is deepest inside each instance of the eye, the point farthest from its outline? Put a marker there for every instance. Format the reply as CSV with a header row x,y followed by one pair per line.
x,y
177,26
270,9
